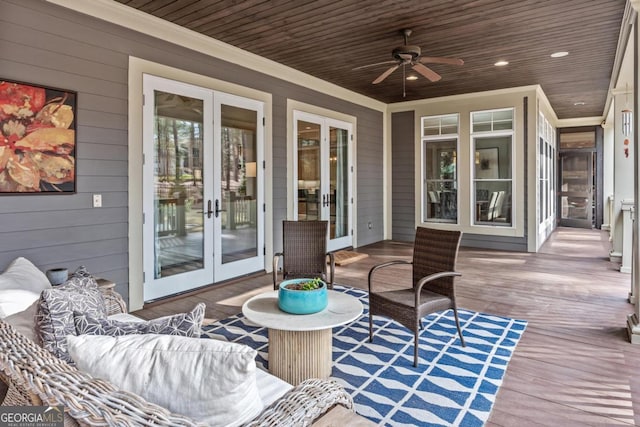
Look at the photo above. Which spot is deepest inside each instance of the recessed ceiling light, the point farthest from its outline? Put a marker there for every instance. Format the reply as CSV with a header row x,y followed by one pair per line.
x,y
579,103
559,54
412,77
501,63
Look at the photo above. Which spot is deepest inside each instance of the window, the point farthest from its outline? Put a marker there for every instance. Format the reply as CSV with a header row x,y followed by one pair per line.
x,y
546,170
440,164
492,145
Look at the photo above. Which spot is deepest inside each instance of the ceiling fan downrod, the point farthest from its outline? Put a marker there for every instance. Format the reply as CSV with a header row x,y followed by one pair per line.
x,y
404,79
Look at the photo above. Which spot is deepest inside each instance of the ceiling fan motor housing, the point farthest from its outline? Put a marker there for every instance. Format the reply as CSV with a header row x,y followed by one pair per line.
x,y
407,53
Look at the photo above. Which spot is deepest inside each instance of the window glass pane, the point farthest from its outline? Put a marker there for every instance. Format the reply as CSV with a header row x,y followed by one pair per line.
x,y
486,121
481,117
449,130
430,126
503,115
431,131
492,180
440,125
440,189
503,125
451,120
481,127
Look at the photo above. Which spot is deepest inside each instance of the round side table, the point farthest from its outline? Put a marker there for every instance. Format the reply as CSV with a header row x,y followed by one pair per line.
x,y
300,345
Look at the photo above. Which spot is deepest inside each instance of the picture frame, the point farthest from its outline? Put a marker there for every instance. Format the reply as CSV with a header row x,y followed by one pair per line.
x,y
487,166
37,139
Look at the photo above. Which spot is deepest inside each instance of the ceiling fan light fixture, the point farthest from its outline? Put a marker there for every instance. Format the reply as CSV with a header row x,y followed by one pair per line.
x,y
559,54
501,63
412,77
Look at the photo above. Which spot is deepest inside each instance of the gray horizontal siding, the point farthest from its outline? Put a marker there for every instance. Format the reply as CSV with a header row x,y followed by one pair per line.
x,y
41,43
517,244
403,176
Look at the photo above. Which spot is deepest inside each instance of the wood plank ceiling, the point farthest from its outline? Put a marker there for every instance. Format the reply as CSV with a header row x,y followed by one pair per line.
x,y
328,38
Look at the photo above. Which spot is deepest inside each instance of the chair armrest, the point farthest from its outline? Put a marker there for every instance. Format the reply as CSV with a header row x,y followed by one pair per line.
x,y
430,278
113,300
383,265
332,268
303,404
276,260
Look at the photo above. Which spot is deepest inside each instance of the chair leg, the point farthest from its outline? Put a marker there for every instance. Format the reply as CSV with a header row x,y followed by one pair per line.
x,y
416,336
370,326
455,314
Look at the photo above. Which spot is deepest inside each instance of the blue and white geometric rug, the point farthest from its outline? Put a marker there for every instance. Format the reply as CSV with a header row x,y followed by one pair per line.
x,y
452,386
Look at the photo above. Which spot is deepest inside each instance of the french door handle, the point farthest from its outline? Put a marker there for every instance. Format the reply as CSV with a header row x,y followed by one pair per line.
x,y
324,200
209,211
218,210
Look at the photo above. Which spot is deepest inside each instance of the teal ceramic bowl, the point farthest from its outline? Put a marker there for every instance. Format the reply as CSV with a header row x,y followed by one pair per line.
x,y
302,302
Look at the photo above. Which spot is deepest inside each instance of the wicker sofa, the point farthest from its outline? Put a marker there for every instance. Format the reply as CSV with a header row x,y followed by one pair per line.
x,y
37,377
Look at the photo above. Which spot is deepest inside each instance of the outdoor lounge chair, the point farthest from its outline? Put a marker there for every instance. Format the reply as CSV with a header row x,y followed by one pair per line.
x,y
434,260
304,252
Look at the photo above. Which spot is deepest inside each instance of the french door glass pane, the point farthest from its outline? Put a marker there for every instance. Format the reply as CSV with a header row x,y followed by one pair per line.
x,y
308,171
576,186
179,238
238,206
338,182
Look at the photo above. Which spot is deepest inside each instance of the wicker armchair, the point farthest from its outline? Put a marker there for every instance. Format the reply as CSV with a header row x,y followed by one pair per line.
x,y
434,260
304,252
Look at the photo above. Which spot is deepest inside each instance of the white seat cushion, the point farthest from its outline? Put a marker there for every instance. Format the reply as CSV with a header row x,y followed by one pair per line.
x,y
211,381
270,387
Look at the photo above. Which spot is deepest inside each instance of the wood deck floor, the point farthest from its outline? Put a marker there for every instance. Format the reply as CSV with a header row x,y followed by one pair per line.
x,y
574,365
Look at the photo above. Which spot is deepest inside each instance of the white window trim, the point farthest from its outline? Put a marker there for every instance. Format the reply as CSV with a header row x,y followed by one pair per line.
x,y
440,137
472,145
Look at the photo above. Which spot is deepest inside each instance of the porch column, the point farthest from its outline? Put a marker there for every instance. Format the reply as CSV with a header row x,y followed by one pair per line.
x,y
608,184
623,171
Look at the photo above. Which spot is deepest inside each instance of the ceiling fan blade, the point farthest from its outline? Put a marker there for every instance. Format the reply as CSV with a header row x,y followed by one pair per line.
x,y
441,60
385,74
374,65
427,72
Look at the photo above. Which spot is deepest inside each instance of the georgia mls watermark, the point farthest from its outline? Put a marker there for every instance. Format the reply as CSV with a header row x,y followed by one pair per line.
x,y
31,416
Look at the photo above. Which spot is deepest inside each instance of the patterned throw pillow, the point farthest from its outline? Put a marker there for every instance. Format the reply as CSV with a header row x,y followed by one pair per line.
x,y
82,275
184,324
54,318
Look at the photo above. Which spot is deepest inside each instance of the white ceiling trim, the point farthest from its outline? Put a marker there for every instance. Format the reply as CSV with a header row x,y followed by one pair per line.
x,y
119,14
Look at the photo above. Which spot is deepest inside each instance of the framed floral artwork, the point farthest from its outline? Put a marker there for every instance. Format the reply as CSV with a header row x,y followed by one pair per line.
x,y
37,139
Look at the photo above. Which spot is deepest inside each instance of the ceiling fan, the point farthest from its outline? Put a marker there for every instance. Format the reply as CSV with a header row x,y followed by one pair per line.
x,y
411,55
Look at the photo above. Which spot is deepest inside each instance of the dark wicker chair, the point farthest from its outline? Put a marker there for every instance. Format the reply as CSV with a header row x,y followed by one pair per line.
x,y
434,261
304,252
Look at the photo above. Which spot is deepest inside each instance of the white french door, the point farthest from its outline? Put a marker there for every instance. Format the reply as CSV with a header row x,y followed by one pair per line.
x,y
201,187
238,186
323,175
